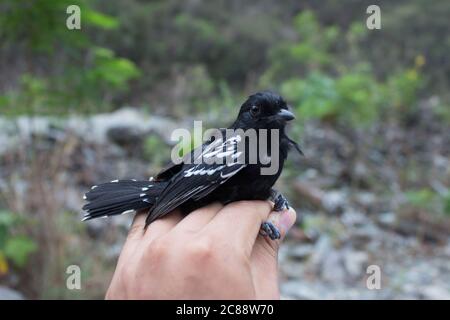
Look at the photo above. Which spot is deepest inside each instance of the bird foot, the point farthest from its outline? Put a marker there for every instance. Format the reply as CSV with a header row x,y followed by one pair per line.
x,y
281,203
268,229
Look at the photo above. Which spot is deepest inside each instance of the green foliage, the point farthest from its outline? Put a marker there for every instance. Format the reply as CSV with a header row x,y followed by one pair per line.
x,y
402,89
413,28
98,19
18,249
324,84
446,202
42,25
311,51
14,246
442,111
109,70
313,97
88,78
193,50
420,198
429,200
32,95
353,98
153,150
79,89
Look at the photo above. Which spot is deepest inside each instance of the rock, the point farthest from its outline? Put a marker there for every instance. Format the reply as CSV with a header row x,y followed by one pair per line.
x,y
321,249
10,294
353,218
73,198
361,171
123,221
300,290
354,262
125,136
363,236
387,219
97,227
137,122
332,269
301,252
334,201
292,270
366,199
127,121
435,292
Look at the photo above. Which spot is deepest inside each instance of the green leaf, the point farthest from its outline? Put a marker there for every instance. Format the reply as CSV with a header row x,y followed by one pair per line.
x,y
99,19
8,219
18,249
446,201
420,198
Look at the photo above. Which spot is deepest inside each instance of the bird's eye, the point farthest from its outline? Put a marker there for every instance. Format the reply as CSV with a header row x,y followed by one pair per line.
x,y
254,110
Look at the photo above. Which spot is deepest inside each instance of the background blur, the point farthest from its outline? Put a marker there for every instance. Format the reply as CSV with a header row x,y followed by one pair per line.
x,y
373,117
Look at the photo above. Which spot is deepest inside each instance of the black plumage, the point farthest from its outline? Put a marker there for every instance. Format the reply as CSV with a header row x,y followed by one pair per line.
x,y
193,184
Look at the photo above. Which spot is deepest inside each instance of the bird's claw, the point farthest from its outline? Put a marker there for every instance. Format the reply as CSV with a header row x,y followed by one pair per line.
x,y
281,203
268,229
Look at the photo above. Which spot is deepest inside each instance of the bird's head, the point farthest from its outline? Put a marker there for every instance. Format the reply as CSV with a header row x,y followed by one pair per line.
x,y
264,110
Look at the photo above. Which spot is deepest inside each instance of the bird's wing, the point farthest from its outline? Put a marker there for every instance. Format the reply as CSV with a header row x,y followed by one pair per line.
x,y
220,161
169,171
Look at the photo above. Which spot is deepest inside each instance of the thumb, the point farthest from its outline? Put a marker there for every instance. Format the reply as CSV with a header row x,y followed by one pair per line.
x,y
264,257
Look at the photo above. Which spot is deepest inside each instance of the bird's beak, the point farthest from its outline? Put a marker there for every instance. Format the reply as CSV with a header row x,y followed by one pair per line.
x,y
286,115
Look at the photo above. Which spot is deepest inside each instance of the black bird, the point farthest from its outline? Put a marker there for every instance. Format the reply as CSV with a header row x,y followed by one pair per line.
x,y
192,184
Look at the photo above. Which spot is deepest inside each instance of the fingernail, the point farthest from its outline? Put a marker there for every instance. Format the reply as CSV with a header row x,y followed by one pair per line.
x,y
287,219
284,220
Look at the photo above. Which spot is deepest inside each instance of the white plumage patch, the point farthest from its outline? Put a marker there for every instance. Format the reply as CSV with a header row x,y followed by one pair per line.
x,y
202,171
197,180
217,147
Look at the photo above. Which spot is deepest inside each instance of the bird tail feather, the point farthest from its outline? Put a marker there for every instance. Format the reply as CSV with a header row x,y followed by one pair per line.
x,y
120,196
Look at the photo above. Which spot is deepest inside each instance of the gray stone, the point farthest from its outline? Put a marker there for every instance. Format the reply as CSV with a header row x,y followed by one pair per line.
x,y
332,270
301,252
354,262
435,292
10,294
300,290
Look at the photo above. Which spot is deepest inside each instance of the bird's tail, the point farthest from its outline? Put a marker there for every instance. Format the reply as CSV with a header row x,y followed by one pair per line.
x,y
120,196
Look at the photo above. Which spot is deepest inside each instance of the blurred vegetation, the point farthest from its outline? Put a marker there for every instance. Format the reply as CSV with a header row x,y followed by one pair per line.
x,y
429,200
61,70
187,58
322,57
15,246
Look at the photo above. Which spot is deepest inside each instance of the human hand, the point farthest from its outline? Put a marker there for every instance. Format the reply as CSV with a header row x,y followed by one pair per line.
x,y
213,253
